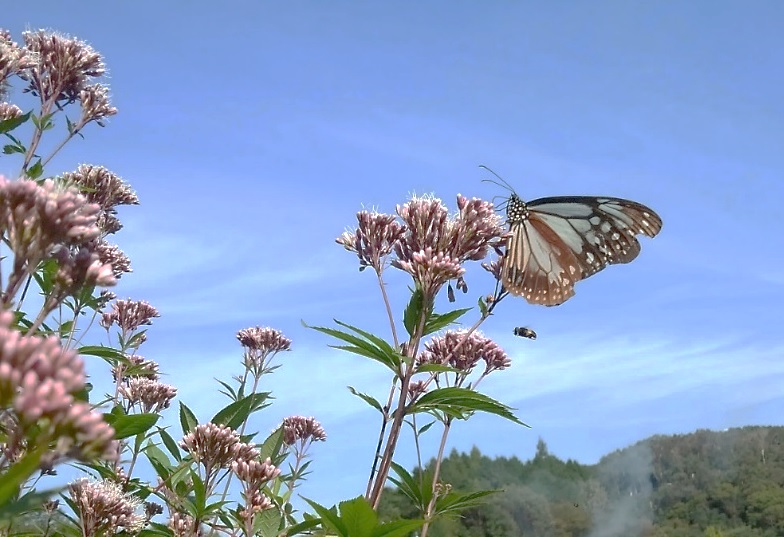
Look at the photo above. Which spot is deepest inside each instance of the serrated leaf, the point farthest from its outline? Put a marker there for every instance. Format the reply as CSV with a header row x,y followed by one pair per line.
x,y
170,443
199,493
460,402
9,149
272,446
363,344
408,485
436,368
267,523
398,528
188,420
132,424
303,526
329,518
7,125
454,502
413,311
359,517
36,170
438,321
159,461
377,341
101,352
368,399
234,414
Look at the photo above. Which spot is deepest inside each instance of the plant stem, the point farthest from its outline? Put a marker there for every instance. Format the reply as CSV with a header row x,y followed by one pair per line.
x,y
436,474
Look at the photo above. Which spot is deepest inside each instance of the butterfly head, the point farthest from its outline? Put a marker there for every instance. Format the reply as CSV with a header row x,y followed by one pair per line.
x,y
516,209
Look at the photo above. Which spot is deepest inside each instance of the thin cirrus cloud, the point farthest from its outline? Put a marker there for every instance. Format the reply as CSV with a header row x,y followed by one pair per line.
x,y
616,372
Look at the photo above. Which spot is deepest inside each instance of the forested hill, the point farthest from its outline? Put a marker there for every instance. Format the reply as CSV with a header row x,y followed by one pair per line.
x,y
703,484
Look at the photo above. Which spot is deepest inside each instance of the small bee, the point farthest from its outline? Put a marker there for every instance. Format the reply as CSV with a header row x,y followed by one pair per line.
x,y
524,332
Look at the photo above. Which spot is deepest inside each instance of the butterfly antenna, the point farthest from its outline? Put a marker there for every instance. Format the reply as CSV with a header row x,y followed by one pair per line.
x,y
503,183
504,201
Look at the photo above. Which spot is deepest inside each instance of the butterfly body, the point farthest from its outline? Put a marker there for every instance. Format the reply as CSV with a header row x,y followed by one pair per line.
x,y
556,241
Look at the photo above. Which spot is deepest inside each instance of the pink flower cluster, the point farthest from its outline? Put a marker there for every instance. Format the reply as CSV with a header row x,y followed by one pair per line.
x,y
430,244
37,380
216,446
463,351
261,345
104,508
302,429
48,221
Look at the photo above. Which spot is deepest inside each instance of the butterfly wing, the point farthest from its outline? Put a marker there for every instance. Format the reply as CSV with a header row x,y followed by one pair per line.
x,y
563,240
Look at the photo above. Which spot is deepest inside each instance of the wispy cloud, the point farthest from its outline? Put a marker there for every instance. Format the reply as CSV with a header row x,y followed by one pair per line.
x,y
615,373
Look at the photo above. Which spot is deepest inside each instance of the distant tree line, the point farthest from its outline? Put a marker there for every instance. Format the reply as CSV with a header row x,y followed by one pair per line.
x,y
704,484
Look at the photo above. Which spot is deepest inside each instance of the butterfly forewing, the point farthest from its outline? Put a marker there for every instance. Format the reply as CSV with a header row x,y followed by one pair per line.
x,y
555,242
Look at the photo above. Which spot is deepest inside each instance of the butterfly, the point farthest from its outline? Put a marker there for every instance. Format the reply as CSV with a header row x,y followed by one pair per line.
x,y
522,331
557,241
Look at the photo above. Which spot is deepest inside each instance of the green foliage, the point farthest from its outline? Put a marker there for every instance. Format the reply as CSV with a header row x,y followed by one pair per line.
x,y
460,403
356,518
364,344
714,484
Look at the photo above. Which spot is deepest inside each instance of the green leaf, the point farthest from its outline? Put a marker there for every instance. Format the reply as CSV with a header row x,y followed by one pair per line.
x,y
7,125
267,523
29,502
36,170
132,424
136,340
377,341
368,399
272,446
102,352
234,414
66,328
425,427
413,311
156,529
199,494
13,477
330,520
159,461
45,275
438,321
10,149
363,344
454,502
398,528
170,443
303,526
460,403
482,306
230,392
188,420
359,517
436,368
409,486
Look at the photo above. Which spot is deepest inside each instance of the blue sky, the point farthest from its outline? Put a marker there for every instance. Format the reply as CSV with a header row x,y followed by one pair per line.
x,y
253,132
